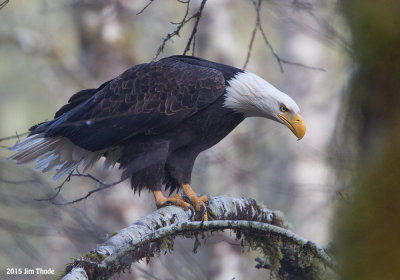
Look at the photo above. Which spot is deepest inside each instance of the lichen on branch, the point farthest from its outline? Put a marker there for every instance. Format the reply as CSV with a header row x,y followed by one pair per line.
x,y
259,229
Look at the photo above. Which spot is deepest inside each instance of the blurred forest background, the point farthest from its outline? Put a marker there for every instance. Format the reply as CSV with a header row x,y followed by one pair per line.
x,y
52,49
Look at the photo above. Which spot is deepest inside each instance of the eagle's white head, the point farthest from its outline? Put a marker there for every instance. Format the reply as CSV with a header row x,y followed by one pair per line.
x,y
252,96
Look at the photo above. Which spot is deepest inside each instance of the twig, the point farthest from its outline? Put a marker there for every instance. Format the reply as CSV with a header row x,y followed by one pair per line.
x,y
78,174
179,26
5,2
13,136
253,35
281,61
145,7
323,23
194,45
103,187
186,12
194,30
58,189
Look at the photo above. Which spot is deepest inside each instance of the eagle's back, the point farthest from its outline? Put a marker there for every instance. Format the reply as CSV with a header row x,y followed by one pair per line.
x,y
146,100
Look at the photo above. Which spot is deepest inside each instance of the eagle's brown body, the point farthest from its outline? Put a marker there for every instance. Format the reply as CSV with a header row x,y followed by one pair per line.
x,y
158,116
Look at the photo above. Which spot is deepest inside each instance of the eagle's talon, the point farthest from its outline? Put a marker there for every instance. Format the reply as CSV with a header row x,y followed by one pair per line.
x,y
199,203
204,198
192,212
187,198
203,210
168,203
177,200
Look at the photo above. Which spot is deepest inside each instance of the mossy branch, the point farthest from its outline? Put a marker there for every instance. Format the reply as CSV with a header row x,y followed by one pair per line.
x,y
259,228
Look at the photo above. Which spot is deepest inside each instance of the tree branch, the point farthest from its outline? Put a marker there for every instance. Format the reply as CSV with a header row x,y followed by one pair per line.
x,y
4,3
194,30
13,136
145,7
258,26
259,228
101,186
179,25
253,34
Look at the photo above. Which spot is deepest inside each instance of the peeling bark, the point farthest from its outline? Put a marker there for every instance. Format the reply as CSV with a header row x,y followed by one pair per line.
x,y
260,228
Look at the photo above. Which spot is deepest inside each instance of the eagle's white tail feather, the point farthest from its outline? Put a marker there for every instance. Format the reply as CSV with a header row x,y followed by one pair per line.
x,y
26,147
53,165
112,157
29,153
31,140
54,153
90,160
44,161
67,168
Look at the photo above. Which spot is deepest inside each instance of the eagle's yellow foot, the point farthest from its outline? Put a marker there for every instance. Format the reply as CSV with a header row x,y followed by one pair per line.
x,y
178,200
199,203
188,199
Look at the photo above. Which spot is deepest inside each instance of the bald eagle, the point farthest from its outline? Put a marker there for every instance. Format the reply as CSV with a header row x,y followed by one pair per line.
x,y
154,120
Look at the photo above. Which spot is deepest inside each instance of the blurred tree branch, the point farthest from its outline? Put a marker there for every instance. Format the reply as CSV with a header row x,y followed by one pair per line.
x,y
145,7
258,228
329,30
4,3
280,60
13,136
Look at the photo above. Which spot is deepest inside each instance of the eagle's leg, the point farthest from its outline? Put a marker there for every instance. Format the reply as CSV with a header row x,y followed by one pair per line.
x,y
199,203
177,200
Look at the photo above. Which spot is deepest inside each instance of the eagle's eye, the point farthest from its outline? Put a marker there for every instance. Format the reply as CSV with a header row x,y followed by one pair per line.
x,y
283,109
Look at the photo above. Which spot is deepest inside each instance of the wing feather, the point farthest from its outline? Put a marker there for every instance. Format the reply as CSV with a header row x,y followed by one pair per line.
x,y
146,99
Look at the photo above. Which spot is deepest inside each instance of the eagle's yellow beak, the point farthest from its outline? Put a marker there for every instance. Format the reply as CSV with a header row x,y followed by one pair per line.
x,y
295,123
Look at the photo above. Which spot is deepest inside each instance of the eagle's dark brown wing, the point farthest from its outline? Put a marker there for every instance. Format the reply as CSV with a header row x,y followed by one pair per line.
x,y
147,99
79,98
